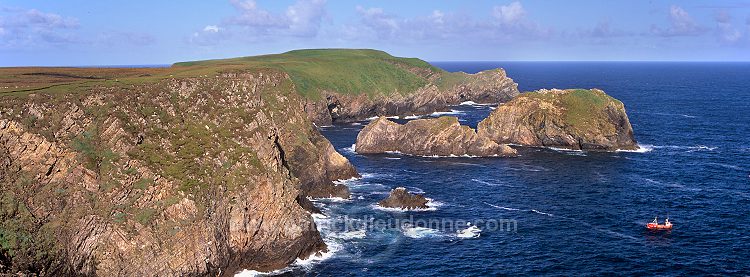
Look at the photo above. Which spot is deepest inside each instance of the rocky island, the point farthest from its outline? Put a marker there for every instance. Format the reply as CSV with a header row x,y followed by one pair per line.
x,y
400,198
574,119
442,136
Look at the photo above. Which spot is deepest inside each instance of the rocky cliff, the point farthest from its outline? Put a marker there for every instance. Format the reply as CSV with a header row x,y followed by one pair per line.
x,y
491,86
342,85
196,173
442,136
573,119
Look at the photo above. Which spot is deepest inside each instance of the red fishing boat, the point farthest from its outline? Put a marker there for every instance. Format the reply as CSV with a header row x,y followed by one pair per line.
x,y
654,225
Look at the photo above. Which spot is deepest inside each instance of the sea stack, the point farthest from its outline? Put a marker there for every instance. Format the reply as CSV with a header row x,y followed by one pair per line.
x,y
442,136
402,199
576,119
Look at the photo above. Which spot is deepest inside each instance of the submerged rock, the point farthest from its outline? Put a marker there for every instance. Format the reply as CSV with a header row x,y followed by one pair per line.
x,y
442,136
573,119
402,199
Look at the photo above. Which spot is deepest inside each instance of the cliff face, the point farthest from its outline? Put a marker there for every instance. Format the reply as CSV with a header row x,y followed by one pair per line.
x,y
572,119
177,176
442,136
341,85
444,89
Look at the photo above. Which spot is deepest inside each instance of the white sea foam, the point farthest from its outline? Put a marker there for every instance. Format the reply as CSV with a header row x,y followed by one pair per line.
x,y
670,185
675,114
253,273
568,151
330,199
642,148
417,232
353,234
701,148
374,175
351,149
539,212
492,184
431,206
514,209
452,112
376,117
729,166
501,207
346,181
414,116
472,103
469,233
304,263
392,158
688,148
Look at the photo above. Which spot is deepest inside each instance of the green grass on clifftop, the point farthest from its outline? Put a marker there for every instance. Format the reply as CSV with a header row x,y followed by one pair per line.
x,y
584,107
347,71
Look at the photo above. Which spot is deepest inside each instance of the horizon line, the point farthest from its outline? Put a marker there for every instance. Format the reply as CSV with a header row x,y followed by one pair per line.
x,y
166,65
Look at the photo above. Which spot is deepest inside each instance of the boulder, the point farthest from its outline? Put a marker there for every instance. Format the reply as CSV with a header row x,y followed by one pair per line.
x,y
402,199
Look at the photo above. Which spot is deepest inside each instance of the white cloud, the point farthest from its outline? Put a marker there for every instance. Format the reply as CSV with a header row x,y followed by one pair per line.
x,y
725,30
252,22
33,28
681,24
509,14
506,23
211,29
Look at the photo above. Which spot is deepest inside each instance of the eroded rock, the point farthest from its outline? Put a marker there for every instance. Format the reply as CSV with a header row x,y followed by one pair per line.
x,y
442,136
573,119
400,198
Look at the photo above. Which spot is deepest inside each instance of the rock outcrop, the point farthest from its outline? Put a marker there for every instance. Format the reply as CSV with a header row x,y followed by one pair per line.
x,y
573,119
491,86
399,198
172,177
442,136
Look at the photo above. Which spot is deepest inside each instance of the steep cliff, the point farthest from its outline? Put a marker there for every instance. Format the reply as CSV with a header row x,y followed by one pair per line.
x,y
442,136
159,173
573,119
341,85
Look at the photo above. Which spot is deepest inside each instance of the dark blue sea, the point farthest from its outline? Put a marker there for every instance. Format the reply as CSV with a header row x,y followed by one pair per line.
x,y
575,213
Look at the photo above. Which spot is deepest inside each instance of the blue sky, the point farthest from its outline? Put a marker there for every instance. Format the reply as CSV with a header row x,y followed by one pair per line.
x,y
79,32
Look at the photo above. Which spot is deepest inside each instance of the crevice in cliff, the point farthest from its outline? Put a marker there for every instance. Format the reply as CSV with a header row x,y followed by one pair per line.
x,y
282,154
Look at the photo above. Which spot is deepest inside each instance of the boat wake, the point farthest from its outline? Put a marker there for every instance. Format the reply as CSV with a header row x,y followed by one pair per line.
x,y
599,229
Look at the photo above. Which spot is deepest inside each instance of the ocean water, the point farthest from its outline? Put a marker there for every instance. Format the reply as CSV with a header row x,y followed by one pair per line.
x,y
565,212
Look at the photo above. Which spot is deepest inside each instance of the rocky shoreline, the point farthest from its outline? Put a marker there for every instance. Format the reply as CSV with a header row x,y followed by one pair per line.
x,y
209,174
490,86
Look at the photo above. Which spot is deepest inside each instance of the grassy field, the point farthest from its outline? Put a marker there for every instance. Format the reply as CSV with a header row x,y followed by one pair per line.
x,y
347,71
